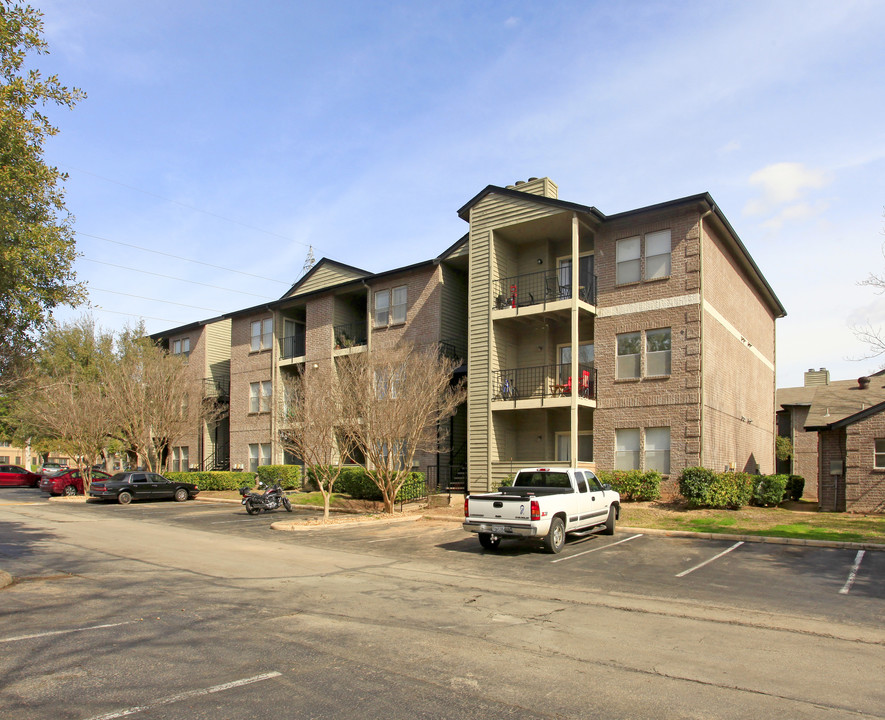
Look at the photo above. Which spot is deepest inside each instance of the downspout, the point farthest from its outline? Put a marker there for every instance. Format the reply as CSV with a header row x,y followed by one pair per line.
x,y
701,349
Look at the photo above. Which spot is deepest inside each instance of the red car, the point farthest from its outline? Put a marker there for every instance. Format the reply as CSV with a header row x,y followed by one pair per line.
x,y
15,475
70,482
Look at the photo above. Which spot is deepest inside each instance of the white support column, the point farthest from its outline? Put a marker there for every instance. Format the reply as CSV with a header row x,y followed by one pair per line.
x,y
575,341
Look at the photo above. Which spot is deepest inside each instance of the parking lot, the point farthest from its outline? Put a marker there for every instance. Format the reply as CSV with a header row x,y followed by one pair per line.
x,y
192,610
824,582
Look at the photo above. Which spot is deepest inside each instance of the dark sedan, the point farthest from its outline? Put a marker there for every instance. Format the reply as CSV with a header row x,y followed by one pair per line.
x,y
15,475
69,482
125,487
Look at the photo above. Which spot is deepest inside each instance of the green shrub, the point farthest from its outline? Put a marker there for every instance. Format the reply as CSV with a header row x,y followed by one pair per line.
x,y
633,484
288,476
215,480
768,490
704,488
358,483
795,487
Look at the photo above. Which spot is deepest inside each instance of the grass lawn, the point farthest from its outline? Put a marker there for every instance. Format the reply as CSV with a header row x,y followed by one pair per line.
x,y
797,520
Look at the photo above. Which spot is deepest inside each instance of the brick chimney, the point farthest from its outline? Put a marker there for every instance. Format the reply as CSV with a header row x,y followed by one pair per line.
x,y
817,377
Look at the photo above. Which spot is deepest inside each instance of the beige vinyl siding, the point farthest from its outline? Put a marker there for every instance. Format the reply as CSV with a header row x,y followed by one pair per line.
x,y
453,321
488,262
326,277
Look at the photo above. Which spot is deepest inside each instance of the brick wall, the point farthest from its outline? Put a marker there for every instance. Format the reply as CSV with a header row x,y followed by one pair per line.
x,y
864,485
247,367
831,489
196,371
805,462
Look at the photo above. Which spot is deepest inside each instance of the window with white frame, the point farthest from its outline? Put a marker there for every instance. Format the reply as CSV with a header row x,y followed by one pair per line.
x,y
629,355
181,346
657,449
180,459
879,458
627,254
261,334
259,454
657,255
399,299
627,449
657,352
260,396
382,308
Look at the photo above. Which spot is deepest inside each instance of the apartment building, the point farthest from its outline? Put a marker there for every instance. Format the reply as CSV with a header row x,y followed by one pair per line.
x,y
644,339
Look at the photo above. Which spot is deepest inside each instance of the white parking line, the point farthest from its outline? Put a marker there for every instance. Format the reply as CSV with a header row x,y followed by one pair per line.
x,y
604,547
186,696
399,537
60,632
846,588
707,562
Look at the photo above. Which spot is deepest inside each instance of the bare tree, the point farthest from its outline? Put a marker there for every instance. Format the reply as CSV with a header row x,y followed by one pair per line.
x,y
395,403
72,413
868,334
155,400
310,422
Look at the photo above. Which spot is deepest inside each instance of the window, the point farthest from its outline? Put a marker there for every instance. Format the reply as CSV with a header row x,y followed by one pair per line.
x,y
657,349
398,311
879,460
585,447
181,347
180,459
259,454
582,483
657,449
259,396
627,449
657,255
4,459
629,348
627,257
262,334
382,308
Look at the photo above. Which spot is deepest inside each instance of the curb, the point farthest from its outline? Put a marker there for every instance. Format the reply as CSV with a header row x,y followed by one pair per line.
x,y
5,579
294,526
838,544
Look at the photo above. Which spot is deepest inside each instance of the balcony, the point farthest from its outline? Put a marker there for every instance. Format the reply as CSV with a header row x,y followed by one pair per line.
x,y
350,335
292,346
543,382
544,287
216,388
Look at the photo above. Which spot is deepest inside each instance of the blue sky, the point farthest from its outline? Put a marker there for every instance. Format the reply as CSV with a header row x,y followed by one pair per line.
x,y
239,134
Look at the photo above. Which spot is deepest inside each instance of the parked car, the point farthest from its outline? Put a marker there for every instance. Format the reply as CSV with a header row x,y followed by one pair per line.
x,y
69,482
15,475
48,469
124,487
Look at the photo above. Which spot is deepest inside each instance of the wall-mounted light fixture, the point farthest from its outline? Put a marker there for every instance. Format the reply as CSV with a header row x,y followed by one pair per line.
x,y
540,261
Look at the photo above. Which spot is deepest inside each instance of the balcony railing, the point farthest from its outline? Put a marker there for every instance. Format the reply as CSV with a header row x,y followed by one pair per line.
x,y
350,335
540,288
544,381
216,388
292,346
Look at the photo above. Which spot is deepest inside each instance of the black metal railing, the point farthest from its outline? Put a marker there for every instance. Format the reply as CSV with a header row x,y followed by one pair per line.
x,y
218,460
218,388
541,287
350,335
544,381
292,345
452,351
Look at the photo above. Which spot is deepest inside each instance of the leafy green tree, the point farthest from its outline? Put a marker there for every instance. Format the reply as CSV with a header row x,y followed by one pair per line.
x,y
37,247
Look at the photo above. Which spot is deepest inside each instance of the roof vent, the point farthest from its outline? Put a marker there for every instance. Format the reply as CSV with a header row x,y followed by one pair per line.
x,y
519,182
863,382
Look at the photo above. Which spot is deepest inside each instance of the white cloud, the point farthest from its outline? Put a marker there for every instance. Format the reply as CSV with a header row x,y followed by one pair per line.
x,y
781,184
511,22
799,211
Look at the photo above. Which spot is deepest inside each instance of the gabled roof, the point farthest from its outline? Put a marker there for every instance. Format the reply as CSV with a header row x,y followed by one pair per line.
x,y
464,211
842,402
334,270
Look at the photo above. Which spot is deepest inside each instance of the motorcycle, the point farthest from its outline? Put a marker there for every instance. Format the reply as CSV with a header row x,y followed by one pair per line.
x,y
270,499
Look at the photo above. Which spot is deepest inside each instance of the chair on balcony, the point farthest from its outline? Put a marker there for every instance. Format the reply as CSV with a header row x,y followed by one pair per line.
x,y
584,386
552,288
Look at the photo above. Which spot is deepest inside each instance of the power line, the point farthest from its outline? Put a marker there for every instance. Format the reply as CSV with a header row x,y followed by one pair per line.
x,y
178,257
136,315
184,205
168,302
170,277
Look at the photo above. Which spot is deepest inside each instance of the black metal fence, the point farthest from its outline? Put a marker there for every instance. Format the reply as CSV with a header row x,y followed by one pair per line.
x,y
292,345
541,287
350,335
543,381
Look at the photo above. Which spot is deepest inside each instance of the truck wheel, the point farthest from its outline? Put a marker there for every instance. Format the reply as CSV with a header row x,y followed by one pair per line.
x,y
556,537
610,523
489,541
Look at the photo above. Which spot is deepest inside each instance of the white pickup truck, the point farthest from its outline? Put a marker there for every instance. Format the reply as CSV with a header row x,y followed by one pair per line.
x,y
543,503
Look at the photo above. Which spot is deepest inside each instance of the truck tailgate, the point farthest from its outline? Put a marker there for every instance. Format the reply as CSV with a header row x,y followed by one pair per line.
x,y
490,508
